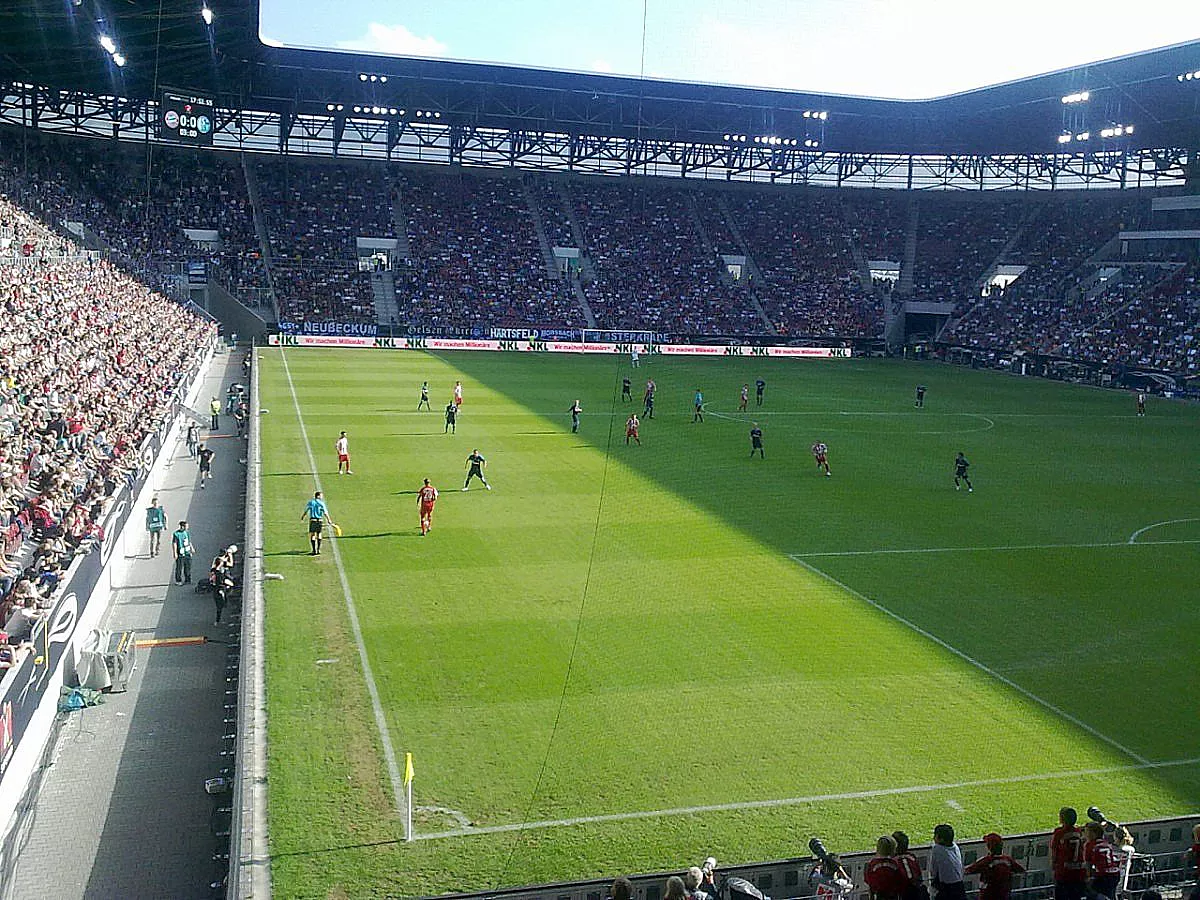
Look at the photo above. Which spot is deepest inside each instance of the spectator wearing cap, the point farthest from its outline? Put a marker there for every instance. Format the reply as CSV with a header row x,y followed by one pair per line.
x,y
995,869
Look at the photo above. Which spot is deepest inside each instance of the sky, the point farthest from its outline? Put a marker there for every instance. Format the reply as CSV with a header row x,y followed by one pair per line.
x,y
903,49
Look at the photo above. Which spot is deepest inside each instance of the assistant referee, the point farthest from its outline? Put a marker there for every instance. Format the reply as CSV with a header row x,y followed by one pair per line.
x,y
317,512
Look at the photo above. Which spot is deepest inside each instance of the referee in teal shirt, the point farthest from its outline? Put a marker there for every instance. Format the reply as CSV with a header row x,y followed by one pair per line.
x,y
317,512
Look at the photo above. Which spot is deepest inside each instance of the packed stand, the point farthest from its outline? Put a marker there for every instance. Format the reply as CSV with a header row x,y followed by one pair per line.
x,y
713,221
956,242
140,219
93,363
550,208
1150,318
322,292
651,269
1064,234
811,285
476,259
877,222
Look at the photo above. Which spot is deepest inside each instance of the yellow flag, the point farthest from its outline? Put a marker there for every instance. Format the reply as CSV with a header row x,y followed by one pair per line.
x,y
408,768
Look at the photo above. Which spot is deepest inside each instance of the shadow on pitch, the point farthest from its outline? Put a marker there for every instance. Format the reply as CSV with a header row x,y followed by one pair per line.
x,y
378,534
289,553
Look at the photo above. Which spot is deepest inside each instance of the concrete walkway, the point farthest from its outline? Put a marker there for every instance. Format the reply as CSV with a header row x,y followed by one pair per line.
x,y
122,812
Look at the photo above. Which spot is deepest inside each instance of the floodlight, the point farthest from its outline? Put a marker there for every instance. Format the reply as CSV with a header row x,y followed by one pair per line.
x,y
328,107
437,115
807,113
206,14
1196,74
393,110
362,76
119,59
383,79
107,43
1064,138
358,109
824,116
1129,129
1083,135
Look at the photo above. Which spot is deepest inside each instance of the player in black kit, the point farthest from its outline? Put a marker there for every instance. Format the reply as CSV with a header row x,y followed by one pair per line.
x,y
451,418
960,473
625,395
756,442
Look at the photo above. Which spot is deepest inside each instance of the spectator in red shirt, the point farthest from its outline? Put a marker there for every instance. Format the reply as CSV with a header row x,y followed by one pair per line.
x,y
1103,860
884,875
915,889
1066,852
995,870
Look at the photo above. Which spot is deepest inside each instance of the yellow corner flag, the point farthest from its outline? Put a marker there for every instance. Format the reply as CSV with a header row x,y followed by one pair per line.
x,y
408,768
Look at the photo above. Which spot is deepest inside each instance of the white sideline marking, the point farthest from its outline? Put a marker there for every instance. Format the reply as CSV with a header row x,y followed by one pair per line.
x,y
389,752
1133,537
799,801
797,556
1046,704
747,417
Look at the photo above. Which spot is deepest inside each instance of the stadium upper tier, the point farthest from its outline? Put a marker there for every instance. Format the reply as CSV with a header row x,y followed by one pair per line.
x,y
466,248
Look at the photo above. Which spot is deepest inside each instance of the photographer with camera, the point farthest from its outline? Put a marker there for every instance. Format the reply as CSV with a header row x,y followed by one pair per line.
x,y
828,878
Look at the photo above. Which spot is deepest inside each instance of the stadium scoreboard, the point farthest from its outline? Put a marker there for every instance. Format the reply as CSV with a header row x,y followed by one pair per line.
x,y
186,117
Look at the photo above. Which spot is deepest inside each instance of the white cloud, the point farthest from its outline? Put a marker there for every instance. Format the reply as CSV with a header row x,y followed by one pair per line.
x,y
394,40
601,65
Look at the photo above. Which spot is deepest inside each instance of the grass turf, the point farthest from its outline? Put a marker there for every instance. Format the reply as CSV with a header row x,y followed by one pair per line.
x,y
620,629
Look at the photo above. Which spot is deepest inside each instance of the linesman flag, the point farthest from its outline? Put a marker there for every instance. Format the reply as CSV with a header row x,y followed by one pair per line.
x,y
408,769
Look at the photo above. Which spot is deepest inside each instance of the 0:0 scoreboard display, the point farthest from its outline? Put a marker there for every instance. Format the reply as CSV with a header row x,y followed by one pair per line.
x,y
186,117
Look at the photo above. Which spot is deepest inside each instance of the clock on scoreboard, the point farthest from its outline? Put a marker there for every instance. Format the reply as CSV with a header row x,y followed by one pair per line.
x,y
186,117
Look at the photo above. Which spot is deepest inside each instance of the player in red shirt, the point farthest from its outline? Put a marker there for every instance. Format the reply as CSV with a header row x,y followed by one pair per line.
x,y
631,430
821,454
426,498
884,875
995,870
1066,853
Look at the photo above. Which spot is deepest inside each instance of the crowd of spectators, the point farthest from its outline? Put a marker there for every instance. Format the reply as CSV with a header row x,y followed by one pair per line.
x,y
651,270
810,284
476,255
956,242
878,222
1147,318
1063,234
555,222
322,291
92,363
137,201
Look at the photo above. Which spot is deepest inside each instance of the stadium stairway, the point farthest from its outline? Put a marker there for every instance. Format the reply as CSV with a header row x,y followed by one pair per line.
x,y
540,228
383,292
260,230
122,809
585,262
907,269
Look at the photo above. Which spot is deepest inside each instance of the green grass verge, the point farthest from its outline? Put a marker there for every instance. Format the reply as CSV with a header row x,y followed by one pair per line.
x,y
619,629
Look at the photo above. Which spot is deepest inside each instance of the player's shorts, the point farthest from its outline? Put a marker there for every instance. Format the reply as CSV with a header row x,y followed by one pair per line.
x,y
631,432
426,510
755,442
475,472
960,473
315,526
205,467
343,457
458,401
820,459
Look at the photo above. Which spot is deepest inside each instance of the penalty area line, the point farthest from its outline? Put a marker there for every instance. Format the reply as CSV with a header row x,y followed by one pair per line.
x,y
983,667
800,801
385,737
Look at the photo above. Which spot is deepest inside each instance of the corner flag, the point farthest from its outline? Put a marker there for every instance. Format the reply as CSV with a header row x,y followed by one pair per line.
x,y
408,804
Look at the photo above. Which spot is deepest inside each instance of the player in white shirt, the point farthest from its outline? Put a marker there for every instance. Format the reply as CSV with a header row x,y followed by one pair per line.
x,y
343,454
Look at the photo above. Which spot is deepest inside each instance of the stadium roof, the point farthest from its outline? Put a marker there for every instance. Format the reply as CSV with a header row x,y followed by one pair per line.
x,y
167,43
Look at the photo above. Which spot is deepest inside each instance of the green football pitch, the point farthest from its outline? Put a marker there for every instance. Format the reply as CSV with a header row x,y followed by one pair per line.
x,y
622,659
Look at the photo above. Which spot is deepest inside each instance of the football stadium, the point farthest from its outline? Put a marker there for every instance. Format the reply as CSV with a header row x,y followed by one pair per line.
x,y
648,451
